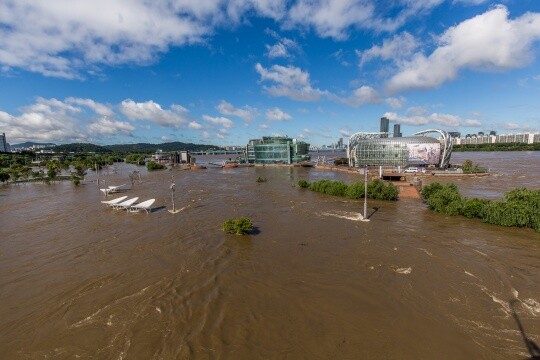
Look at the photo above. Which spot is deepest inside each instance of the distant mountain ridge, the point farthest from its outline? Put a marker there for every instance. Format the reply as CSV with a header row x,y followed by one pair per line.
x,y
130,148
30,144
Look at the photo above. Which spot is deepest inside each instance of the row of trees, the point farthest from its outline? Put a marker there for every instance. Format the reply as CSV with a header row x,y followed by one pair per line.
x,y
497,147
519,207
376,189
16,167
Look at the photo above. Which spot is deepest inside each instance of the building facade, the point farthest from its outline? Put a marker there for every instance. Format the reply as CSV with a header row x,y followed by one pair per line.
x,y
4,147
397,130
399,151
385,125
492,138
276,150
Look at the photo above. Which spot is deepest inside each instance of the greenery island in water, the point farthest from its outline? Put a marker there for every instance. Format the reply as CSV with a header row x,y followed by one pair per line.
x,y
376,189
519,207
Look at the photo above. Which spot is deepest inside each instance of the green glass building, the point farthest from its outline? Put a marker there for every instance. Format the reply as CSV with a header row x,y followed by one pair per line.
x,y
276,150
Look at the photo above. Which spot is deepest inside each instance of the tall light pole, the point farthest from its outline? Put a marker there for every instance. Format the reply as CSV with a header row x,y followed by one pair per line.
x,y
365,218
173,211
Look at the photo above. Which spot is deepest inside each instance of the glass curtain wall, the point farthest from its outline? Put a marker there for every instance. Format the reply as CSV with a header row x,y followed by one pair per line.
x,y
381,152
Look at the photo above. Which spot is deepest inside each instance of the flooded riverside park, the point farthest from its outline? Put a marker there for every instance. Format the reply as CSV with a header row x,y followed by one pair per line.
x,y
81,280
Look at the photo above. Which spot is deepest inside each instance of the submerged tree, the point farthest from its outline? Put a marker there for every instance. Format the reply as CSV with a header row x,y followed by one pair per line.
x,y
239,226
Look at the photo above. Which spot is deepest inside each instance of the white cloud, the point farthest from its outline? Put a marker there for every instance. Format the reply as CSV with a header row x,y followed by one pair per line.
x,y
263,126
48,120
489,41
513,127
91,32
282,48
331,18
73,38
246,113
470,2
395,103
362,96
345,133
276,114
289,82
223,121
195,125
98,108
419,116
152,111
105,126
400,46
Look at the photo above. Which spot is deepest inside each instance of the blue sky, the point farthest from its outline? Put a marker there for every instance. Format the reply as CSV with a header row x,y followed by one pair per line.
x,y
222,72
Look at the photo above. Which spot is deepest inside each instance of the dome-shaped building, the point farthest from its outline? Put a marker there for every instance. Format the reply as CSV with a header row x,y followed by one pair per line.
x,y
373,150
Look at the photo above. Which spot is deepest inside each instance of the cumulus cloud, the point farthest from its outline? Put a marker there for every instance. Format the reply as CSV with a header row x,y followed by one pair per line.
x,y
151,111
289,81
105,126
419,116
221,121
395,103
73,38
276,114
127,32
247,113
362,96
48,120
400,46
98,108
490,41
331,18
195,125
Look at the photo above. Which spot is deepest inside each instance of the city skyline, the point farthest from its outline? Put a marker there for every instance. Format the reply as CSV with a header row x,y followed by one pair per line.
x,y
224,72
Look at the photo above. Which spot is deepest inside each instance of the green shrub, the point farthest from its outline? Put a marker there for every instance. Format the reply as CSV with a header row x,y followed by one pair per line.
x,y
520,207
261,179
155,166
303,184
330,187
430,189
447,200
4,176
379,190
474,208
356,190
239,226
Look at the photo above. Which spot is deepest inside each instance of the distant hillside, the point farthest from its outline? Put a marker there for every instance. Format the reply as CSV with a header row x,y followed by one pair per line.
x,y
146,148
80,147
129,148
30,144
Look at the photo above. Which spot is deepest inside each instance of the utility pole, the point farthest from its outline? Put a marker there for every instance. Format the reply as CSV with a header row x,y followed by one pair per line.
x,y
173,211
365,218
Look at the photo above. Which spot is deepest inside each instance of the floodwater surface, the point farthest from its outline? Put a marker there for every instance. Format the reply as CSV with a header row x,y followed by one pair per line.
x,y
80,280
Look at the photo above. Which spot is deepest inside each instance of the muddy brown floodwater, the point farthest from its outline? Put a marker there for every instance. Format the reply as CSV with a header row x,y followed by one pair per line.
x,y
80,280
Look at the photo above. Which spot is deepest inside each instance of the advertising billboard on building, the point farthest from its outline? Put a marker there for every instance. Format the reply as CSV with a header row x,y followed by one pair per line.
x,y
428,153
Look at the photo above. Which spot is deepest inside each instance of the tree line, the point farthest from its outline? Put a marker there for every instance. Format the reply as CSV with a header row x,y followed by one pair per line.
x,y
497,147
376,189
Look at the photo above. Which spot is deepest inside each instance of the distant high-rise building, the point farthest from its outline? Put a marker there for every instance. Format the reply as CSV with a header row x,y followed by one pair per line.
x,y
385,124
340,142
397,130
493,132
3,143
454,134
